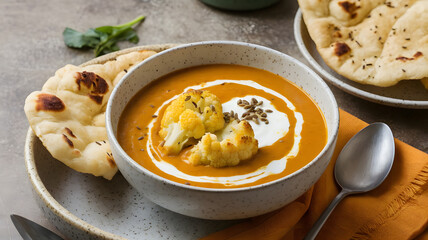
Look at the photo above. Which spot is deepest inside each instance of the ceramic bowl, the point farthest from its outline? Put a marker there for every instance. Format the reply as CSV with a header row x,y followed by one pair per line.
x,y
211,203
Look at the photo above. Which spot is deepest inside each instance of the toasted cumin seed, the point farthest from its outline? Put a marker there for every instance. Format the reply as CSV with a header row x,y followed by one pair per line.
x,y
194,104
141,138
152,106
263,115
142,149
187,98
241,105
138,127
245,102
268,111
239,101
154,116
213,108
281,141
267,121
248,107
98,143
248,118
263,119
187,183
162,143
236,116
259,103
245,114
256,121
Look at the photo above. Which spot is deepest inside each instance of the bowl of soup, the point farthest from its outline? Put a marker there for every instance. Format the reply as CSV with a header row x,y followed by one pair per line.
x,y
222,129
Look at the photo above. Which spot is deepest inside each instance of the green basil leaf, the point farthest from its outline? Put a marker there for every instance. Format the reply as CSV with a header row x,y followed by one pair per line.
x,y
102,39
75,39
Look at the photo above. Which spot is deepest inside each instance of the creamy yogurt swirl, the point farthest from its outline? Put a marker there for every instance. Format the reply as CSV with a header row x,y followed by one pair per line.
x,y
265,134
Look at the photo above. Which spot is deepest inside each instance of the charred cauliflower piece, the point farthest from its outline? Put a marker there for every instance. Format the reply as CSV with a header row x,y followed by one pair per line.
x,y
227,147
191,115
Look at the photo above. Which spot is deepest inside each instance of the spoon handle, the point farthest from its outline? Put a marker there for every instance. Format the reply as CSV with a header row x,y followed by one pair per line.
x,y
321,220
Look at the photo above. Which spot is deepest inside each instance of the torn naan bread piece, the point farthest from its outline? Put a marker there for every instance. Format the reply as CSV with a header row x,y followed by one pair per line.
x,y
68,114
371,41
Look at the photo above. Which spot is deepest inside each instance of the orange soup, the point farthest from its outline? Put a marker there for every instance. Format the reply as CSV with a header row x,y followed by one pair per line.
x,y
293,133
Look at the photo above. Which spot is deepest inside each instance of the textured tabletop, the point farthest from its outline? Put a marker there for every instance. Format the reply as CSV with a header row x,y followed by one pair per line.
x,y
31,49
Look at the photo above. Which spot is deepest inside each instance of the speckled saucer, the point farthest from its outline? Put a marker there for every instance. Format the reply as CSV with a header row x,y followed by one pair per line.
x,y
406,94
82,206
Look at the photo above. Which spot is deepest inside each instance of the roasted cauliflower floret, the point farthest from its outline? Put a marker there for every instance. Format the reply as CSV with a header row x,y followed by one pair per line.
x,y
227,147
189,116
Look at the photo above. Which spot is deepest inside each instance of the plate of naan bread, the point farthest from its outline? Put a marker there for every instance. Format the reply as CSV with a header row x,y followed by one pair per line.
x,y
375,50
67,144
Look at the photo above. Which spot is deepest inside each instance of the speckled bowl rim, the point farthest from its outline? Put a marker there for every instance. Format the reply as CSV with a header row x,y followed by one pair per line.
x,y
34,177
330,142
403,103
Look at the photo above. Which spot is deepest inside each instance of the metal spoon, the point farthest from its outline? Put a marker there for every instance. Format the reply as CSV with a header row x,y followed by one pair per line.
x,y
362,165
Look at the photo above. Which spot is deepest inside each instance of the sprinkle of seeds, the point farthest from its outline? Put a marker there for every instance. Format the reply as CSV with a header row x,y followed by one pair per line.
x,y
154,116
152,106
98,143
125,70
187,98
256,120
268,111
138,127
194,104
162,143
213,108
141,138
403,70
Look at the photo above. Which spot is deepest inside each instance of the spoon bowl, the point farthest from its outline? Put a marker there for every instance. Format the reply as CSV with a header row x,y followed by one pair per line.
x,y
366,159
362,165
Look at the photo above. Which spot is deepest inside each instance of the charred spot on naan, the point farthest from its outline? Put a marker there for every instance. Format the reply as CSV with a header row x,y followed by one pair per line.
x,y
415,56
91,81
69,132
349,7
110,160
341,49
49,102
68,141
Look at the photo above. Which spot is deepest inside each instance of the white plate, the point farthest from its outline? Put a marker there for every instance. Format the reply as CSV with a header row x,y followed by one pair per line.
x,y
406,94
82,206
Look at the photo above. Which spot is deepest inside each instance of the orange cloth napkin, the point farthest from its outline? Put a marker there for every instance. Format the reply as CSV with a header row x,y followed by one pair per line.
x,y
397,209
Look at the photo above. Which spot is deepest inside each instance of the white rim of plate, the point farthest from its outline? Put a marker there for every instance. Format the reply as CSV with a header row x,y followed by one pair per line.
x,y
37,183
394,102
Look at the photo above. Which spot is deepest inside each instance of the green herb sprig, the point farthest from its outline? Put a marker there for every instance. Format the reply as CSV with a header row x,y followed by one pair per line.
x,y
102,39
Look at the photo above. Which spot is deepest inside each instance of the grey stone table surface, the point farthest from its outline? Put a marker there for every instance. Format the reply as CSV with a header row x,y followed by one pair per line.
x,y
31,49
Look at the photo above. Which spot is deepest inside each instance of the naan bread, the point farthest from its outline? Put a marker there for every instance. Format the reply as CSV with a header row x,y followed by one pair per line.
x,y
371,41
68,114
